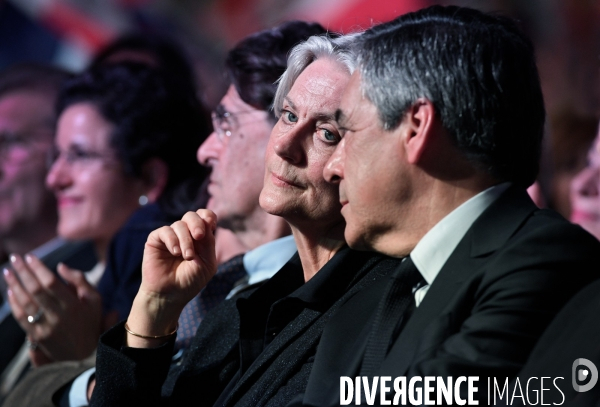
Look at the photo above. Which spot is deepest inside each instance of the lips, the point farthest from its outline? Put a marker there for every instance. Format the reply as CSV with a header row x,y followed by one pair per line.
x,y
584,216
67,201
282,181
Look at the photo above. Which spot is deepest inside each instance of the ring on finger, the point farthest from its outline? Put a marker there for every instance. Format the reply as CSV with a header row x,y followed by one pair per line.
x,y
33,345
33,319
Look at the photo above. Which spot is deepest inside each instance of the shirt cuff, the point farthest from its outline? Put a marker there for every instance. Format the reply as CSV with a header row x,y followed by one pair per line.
x,y
79,389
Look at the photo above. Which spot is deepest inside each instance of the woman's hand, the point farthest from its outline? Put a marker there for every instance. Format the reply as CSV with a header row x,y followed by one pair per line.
x,y
179,260
62,321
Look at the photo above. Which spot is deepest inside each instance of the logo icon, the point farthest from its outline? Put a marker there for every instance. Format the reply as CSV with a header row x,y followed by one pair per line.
x,y
584,370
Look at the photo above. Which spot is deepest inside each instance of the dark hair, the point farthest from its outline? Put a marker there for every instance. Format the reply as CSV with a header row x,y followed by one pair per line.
x,y
151,119
255,64
479,72
33,77
162,53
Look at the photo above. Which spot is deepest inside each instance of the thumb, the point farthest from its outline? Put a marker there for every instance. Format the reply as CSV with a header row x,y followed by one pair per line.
x,y
77,280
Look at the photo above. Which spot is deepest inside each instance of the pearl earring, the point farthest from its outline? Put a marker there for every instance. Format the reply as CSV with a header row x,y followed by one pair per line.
x,y
143,200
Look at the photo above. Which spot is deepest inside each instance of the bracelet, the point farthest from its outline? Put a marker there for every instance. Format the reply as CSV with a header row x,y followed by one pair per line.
x,y
151,336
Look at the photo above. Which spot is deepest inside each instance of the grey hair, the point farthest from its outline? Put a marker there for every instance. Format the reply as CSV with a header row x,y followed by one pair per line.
x,y
338,49
479,72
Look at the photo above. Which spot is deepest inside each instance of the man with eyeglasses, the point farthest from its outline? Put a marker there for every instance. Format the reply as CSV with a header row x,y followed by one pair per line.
x,y
242,123
28,214
27,209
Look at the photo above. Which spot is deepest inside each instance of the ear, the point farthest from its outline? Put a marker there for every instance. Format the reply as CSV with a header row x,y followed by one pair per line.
x,y
419,125
155,175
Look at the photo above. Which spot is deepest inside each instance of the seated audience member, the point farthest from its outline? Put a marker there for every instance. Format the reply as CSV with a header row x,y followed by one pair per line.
x,y
257,349
27,209
445,113
125,165
585,192
570,137
154,50
235,152
568,351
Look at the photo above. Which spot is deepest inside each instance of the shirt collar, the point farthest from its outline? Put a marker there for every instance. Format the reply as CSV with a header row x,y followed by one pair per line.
x,y
434,249
333,278
264,261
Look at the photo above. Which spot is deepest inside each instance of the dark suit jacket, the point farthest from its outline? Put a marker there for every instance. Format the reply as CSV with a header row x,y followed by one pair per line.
x,y
214,370
572,335
508,277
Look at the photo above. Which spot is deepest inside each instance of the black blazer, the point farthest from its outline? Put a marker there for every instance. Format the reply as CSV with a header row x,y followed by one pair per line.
x,y
508,277
573,334
210,371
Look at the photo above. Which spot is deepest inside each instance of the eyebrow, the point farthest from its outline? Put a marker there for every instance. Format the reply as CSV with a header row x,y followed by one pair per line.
x,y
340,118
219,109
293,106
320,116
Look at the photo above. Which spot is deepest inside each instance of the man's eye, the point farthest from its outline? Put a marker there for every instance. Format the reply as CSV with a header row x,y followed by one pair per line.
x,y
291,117
329,136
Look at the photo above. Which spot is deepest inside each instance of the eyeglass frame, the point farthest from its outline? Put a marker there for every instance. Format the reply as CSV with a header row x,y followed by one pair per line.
x,y
10,141
220,116
75,158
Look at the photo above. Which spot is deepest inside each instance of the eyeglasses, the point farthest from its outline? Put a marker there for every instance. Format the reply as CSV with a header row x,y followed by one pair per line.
x,y
76,157
17,146
225,122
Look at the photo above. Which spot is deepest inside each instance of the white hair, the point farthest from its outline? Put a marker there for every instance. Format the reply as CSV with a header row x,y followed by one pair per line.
x,y
302,55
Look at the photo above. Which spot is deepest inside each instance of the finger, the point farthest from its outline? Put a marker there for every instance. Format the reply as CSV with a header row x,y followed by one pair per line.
x,y
165,238
186,243
77,280
195,224
209,217
31,284
52,285
21,303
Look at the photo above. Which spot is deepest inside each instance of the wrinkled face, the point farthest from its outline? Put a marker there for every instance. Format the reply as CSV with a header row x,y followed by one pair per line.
x,y
301,143
94,196
585,193
368,168
26,136
235,151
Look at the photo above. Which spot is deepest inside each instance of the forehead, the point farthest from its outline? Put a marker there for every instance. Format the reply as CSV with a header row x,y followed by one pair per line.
x,y
320,86
232,102
16,110
83,124
594,152
355,109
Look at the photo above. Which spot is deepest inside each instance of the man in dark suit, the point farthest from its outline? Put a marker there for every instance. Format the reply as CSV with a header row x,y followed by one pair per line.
x,y
569,347
443,122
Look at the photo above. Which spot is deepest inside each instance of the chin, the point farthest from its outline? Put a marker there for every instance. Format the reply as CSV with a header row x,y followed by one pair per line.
x,y
268,202
70,233
355,240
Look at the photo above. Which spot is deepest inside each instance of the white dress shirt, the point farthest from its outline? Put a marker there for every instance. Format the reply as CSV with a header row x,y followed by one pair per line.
x,y
434,249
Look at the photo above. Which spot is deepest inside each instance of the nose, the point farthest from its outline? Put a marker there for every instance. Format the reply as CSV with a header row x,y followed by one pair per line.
x,y
586,182
209,150
289,144
334,168
59,176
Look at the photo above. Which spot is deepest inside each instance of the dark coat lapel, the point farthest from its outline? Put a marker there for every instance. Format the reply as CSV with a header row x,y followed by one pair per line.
x,y
489,233
280,345
295,344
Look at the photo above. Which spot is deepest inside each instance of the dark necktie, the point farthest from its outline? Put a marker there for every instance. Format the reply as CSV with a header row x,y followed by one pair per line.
x,y
228,273
390,311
